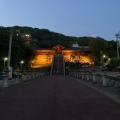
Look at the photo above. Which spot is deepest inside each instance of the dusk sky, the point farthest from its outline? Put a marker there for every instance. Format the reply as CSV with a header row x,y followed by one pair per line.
x,y
69,17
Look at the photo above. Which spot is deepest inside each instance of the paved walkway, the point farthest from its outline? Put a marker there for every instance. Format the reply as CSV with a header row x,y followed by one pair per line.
x,y
56,98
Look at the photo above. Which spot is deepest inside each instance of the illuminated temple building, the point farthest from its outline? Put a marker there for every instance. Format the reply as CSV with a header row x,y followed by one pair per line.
x,y
44,56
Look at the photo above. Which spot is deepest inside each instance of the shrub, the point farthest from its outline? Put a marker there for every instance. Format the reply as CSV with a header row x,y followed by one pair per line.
x,y
113,64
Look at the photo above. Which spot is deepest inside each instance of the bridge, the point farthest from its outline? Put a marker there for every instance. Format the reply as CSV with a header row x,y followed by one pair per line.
x,y
55,97
85,94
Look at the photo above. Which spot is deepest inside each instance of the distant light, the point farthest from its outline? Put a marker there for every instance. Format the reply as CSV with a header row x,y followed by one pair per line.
x,y
104,56
27,35
5,58
109,59
22,62
33,61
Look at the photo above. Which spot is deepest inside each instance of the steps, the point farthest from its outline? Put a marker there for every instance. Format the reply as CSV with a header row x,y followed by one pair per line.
x,y
58,65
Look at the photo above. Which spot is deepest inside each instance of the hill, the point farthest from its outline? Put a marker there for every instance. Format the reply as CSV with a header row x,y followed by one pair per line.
x,y
46,38
27,39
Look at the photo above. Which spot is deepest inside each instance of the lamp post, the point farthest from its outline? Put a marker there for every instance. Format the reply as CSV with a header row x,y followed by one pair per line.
x,y
21,63
5,59
101,52
32,62
117,45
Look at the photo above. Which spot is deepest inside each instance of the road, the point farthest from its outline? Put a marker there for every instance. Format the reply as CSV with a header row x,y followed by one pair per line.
x,y
56,98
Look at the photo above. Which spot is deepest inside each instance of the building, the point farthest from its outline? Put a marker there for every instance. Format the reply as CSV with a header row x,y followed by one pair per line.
x,y
44,56
26,37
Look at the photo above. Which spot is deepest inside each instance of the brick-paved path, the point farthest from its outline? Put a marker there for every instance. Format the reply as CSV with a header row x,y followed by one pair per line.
x,y
56,98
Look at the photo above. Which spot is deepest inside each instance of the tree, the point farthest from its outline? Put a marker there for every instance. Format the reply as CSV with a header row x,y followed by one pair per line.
x,y
109,51
114,63
97,44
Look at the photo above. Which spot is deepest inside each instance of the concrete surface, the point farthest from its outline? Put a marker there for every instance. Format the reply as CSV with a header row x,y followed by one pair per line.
x,y
55,98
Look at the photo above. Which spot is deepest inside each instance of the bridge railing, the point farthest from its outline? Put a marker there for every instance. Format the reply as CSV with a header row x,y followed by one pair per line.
x,y
21,76
97,78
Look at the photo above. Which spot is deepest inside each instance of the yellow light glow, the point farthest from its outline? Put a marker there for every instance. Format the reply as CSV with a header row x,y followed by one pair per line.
x,y
109,59
104,56
44,57
42,61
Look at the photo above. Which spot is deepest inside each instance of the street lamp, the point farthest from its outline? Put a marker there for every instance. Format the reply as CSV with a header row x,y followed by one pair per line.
x,y
5,59
104,56
101,57
21,63
32,62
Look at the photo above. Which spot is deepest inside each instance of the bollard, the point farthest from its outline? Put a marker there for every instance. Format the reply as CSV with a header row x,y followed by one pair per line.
x,y
82,73
76,75
24,77
35,74
39,75
5,84
6,76
104,83
79,75
17,78
18,75
29,74
94,77
32,75
87,77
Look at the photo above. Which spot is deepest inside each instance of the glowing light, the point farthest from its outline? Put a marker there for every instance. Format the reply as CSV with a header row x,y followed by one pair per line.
x,y
5,58
109,59
22,62
27,35
104,56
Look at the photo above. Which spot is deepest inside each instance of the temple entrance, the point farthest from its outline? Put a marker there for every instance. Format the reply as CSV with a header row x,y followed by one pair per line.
x,y
58,49
44,57
58,65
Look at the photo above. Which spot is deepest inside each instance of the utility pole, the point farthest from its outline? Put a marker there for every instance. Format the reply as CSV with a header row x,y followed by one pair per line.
x,y
9,55
8,71
117,37
9,51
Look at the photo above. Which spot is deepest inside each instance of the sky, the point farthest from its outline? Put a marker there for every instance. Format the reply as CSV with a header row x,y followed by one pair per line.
x,y
93,18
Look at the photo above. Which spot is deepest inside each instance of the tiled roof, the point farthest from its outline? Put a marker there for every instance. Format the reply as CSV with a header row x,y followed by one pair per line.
x,y
83,48
78,48
45,49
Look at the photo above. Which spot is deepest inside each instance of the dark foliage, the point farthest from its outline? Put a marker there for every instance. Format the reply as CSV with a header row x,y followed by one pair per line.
x,y
43,38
